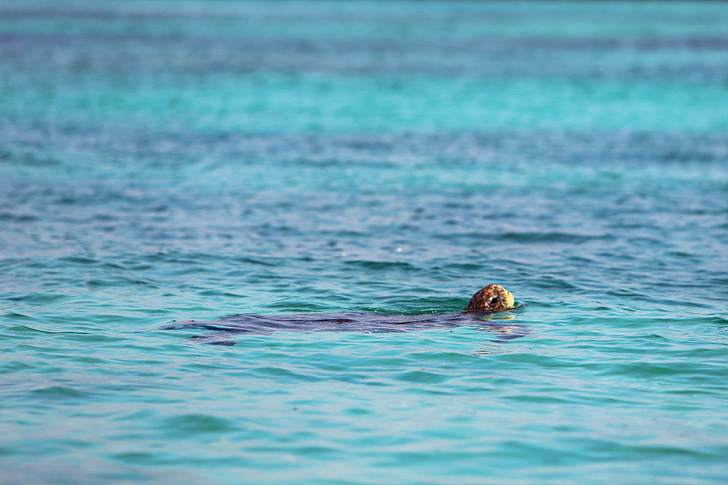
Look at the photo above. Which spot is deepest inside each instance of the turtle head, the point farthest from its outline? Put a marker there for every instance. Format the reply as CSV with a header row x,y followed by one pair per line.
x,y
491,299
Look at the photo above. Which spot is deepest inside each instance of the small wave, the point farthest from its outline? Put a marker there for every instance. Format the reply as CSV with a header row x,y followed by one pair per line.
x,y
195,424
285,374
60,392
18,218
381,265
545,237
422,377
79,260
554,282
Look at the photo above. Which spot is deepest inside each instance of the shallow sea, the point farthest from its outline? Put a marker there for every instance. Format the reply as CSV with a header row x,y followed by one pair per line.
x,y
168,161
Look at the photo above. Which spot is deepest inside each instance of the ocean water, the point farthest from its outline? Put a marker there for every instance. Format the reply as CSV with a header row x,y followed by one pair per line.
x,y
166,162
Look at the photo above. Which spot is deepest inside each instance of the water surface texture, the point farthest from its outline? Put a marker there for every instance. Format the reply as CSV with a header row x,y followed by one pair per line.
x,y
163,162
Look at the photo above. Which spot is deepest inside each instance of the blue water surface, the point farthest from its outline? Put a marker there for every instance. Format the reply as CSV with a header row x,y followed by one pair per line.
x,y
165,161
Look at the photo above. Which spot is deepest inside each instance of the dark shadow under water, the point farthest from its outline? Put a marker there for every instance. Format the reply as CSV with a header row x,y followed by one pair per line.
x,y
226,329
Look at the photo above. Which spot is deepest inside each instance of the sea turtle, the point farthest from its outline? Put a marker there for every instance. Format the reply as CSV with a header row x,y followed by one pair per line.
x,y
485,302
491,299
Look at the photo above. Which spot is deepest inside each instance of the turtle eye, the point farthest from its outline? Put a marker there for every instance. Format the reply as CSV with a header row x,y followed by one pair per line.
x,y
493,301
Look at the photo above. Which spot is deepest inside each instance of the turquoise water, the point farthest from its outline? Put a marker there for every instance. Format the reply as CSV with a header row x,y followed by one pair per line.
x,y
162,162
